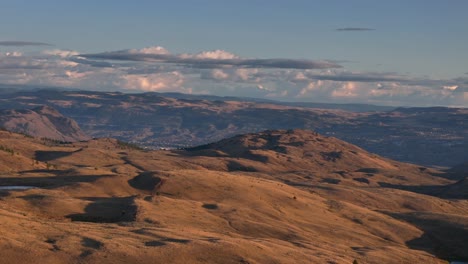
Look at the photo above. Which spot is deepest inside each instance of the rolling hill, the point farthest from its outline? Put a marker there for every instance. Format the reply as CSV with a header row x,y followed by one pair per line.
x,y
278,196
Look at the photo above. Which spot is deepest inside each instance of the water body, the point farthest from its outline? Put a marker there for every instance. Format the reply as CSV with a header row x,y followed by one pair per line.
x,y
16,187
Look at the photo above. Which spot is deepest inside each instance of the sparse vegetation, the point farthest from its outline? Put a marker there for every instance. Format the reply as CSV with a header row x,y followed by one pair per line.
x,y
199,198
26,135
51,141
7,149
210,206
128,145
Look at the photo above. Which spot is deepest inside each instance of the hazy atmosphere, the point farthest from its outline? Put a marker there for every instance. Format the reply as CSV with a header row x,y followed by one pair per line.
x,y
388,53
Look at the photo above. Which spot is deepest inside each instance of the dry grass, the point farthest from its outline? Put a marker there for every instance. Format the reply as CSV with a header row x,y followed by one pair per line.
x,y
102,204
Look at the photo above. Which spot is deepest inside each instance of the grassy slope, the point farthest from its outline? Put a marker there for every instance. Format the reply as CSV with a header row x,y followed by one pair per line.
x,y
205,212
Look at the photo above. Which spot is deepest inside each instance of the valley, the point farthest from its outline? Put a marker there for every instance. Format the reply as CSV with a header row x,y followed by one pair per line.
x,y
432,136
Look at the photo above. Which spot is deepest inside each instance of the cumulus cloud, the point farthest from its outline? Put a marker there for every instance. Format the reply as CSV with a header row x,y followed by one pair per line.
x,y
450,87
379,77
220,72
150,50
216,74
214,54
347,89
210,59
15,62
355,29
172,81
72,57
60,53
23,43
13,54
246,75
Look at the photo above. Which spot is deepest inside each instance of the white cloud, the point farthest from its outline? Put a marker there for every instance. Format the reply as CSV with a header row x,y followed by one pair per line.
x,y
67,68
265,87
215,55
208,59
246,74
150,50
61,53
13,54
450,87
299,77
172,81
311,86
216,74
347,89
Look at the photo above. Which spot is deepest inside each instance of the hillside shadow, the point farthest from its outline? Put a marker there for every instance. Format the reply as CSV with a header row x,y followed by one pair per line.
x,y
145,181
422,189
237,166
51,181
160,240
449,191
48,171
447,174
211,150
33,197
447,239
164,241
45,156
108,210
91,243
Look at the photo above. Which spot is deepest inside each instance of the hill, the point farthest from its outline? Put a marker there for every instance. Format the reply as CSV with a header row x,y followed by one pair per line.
x,y
291,197
426,136
42,122
313,156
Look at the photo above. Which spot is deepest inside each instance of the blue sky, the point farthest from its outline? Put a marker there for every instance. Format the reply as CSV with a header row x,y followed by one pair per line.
x,y
420,46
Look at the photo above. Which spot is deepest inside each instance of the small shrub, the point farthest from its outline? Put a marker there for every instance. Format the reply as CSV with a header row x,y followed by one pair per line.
x,y
210,206
127,145
7,149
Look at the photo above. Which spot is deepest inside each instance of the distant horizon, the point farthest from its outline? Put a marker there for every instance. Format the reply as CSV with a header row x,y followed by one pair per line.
x,y
408,53
261,100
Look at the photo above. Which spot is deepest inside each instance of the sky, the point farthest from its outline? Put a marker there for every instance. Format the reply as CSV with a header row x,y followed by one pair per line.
x,y
401,53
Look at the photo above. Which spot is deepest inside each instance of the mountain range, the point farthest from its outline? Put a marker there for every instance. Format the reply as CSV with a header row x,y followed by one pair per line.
x,y
432,136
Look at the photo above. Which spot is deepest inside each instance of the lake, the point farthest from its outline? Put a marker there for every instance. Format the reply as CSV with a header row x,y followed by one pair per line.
x,y
16,187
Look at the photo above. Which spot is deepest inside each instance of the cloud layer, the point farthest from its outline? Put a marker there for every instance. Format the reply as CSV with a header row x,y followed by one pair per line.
x,y
23,43
212,59
354,29
223,73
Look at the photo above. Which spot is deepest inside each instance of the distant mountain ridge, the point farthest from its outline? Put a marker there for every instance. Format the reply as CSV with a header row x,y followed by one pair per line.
x,y
353,107
42,122
427,136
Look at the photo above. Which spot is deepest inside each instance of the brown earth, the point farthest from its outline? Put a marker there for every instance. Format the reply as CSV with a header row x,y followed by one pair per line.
x,y
42,122
272,197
